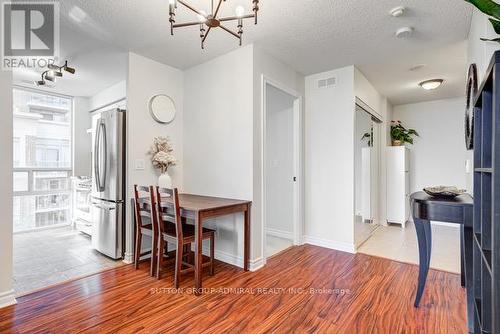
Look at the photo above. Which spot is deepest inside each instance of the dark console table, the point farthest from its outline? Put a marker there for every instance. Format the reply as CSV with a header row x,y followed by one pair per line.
x,y
458,210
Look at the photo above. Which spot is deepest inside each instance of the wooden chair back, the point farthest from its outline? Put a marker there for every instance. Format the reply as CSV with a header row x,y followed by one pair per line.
x,y
142,209
169,210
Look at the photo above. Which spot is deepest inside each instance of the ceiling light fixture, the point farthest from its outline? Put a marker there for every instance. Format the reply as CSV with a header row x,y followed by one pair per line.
x,y
404,32
431,84
397,12
212,20
53,72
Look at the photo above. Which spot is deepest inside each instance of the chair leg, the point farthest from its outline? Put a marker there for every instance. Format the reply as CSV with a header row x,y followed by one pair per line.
x,y
137,251
154,257
178,263
212,253
159,261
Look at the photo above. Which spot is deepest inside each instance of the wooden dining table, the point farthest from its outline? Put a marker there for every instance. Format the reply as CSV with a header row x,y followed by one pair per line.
x,y
200,208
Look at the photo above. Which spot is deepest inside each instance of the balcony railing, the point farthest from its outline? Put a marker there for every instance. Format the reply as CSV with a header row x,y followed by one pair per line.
x,y
42,198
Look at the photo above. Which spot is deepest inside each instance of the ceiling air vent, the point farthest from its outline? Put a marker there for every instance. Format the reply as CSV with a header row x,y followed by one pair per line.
x,y
325,83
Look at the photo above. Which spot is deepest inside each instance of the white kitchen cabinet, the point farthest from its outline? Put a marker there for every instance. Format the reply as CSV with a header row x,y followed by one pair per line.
x,y
398,185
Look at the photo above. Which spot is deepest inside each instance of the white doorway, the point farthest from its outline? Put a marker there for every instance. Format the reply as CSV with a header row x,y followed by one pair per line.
x,y
282,169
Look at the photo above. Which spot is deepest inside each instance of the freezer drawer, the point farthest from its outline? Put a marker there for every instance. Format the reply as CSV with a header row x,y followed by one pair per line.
x,y
107,234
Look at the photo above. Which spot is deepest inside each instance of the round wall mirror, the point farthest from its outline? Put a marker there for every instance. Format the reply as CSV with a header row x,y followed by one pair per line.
x,y
162,108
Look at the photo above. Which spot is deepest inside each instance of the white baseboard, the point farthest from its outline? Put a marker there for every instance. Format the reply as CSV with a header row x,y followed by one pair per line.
x,y
7,298
128,258
234,260
279,233
336,245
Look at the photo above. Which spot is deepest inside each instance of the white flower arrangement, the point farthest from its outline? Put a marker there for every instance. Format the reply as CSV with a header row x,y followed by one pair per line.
x,y
161,154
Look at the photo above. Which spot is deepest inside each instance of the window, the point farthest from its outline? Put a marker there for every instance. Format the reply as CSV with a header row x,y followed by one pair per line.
x,y
42,159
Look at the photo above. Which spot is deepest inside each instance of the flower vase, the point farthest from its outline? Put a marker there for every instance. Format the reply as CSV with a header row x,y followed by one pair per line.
x,y
165,181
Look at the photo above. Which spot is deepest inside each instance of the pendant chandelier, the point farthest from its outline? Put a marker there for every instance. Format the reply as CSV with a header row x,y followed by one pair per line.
x,y
212,20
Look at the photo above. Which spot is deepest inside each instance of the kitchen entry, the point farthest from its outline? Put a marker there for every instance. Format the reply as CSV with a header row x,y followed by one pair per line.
x,y
54,224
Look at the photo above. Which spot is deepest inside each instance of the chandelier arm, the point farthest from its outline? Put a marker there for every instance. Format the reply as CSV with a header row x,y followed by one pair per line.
x,y
229,31
191,8
206,35
187,24
218,8
234,18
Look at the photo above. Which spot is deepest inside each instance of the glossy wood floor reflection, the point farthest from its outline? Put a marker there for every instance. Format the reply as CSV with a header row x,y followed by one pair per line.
x,y
377,298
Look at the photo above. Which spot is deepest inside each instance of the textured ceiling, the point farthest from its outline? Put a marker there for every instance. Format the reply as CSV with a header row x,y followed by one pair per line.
x,y
310,35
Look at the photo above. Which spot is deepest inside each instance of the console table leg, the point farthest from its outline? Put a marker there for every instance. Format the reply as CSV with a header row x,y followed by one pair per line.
x,y
424,236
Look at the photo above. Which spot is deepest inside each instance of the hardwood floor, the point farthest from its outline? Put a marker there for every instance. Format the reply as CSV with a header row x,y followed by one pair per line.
x,y
378,297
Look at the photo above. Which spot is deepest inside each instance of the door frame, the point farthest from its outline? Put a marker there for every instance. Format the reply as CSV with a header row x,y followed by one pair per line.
x,y
298,144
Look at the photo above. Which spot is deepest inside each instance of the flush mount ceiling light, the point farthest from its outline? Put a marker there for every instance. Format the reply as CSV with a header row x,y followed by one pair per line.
x,y
431,84
212,20
397,12
53,72
404,32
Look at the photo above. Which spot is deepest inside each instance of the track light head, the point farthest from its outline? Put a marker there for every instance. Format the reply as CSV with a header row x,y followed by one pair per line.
x,y
53,67
68,69
49,77
53,73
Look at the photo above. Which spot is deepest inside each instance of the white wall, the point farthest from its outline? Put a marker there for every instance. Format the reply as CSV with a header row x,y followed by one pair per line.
x,y
329,156
109,95
279,162
438,155
145,79
6,291
480,52
284,75
218,123
82,141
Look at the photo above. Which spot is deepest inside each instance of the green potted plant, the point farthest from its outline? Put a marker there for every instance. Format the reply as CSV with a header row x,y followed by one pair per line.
x,y
401,135
492,9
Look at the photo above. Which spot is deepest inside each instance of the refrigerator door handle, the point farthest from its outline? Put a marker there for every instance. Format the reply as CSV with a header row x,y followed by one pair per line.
x,y
96,155
109,208
104,137
100,152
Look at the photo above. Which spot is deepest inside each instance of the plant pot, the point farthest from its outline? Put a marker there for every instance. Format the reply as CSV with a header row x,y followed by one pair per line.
x,y
165,181
397,143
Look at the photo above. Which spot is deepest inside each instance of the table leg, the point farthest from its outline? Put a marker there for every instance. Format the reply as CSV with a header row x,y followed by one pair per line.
x,y
198,256
424,236
462,257
246,251
467,242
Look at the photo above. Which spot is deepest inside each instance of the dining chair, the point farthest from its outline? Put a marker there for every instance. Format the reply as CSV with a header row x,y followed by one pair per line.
x,y
180,234
148,229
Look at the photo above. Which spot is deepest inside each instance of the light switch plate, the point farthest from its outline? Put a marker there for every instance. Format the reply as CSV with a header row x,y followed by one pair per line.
x,y
139,164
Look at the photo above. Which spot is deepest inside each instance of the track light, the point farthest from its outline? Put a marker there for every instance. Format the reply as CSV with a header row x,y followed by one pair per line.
x,y
54,72
49,77
68,69
53,67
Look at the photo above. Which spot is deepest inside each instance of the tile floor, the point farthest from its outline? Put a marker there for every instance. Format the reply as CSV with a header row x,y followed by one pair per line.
x,y
396,243
274,245
52,256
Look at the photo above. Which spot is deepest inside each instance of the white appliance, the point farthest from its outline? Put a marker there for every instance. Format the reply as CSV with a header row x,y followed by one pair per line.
x,y
82,215
108,182
398,185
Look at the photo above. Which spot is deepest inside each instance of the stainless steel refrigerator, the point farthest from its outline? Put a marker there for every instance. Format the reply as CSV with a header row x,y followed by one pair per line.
x,y
108,182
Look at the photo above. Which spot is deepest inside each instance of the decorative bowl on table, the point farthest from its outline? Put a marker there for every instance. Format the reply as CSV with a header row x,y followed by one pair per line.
x,y
444,191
